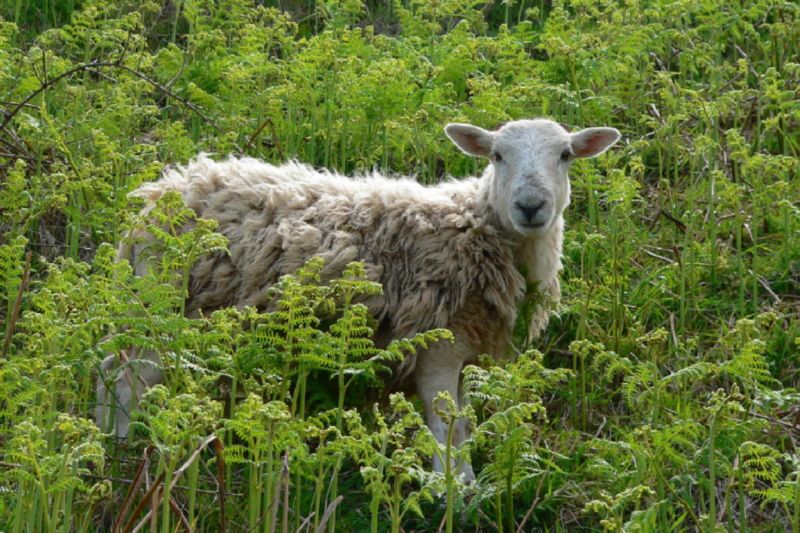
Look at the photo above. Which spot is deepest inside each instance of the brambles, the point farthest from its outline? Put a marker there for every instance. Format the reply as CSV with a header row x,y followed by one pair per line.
x,y
682,265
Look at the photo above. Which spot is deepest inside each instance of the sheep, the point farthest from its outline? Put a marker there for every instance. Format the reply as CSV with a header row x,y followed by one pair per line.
x,y
448,256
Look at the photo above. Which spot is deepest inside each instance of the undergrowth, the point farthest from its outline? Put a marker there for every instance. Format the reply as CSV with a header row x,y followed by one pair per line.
x,y
662,397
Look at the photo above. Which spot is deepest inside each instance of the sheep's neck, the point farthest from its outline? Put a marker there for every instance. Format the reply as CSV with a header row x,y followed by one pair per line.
x,y
542,255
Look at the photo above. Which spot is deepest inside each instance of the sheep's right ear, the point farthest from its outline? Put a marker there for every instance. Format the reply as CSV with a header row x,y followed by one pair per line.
x,y
470,139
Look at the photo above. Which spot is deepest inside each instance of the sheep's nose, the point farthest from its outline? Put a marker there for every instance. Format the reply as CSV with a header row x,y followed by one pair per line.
x,y
529,211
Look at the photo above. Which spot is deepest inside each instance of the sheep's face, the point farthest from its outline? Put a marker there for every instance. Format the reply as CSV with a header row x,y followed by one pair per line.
x,y
531,160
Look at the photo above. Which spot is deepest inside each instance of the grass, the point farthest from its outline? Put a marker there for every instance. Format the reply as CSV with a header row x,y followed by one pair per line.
x,y
663,395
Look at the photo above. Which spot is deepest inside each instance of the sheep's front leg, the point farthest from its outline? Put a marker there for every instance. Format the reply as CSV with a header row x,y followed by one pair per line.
x,y
439,370
120,395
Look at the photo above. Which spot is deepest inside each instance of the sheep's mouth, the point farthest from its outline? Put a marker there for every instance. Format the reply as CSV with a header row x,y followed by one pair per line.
x,y
537,225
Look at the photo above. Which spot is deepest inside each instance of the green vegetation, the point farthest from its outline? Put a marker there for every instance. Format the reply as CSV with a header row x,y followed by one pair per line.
x,y
662,397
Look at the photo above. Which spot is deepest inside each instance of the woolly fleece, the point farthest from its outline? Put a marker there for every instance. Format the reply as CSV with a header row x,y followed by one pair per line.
x,y
432,248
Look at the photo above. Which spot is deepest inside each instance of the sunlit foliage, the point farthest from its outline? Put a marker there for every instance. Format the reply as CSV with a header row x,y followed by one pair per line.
x,y
662,397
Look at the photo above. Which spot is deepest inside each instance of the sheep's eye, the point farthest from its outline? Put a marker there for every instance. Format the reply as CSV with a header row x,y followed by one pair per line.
x,y
565,155
497,157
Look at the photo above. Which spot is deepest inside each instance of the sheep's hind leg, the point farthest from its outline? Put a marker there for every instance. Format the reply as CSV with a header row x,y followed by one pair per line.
x,y
121,396
439,370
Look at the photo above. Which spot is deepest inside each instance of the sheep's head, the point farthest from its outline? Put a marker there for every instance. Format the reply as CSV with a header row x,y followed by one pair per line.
x,y
531,160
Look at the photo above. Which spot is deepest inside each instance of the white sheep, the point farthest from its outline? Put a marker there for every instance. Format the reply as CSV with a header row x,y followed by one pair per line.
x,y
448,256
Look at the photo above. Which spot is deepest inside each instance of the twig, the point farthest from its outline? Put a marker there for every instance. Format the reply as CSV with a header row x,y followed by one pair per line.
x,y
221,482
677,254
488,520
264,514
129,482
764,284
137,481
661,257
17,304
284,474
285,524
152,517
3,102
676,221
192,458
672,329
19,142
274,136
107,78
115,64
15,156
143,503
655,219
153,507
739,75
535,502
177,510
176,476
597,433
786,426
328,512
171,94
53,81
306,522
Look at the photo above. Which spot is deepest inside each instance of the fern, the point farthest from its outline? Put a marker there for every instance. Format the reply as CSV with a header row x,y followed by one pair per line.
x,y
174,425
11,267
764,466
609,365
49,464
705,94
613,508
266,429
390,459
749,365
677,442
512,394
291,331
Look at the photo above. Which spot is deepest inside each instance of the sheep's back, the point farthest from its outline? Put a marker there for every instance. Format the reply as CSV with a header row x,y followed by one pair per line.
x,y
430,247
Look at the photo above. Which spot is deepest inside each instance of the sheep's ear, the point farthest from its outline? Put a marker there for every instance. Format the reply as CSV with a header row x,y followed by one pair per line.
x,y
593,141
470,139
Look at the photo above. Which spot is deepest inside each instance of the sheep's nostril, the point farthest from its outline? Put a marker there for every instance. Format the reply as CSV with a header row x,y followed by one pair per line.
x,y
529,211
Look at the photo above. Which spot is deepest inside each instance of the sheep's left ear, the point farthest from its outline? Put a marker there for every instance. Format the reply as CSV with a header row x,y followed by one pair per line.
x,y
471,139
593,141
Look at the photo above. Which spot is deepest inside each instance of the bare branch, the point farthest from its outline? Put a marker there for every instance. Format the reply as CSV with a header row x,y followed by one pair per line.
x,y
274,137
17,304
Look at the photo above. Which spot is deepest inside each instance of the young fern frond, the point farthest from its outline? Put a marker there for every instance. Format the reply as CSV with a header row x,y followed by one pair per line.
x,y
613,508
20,393
677,442
11,267
390,459
749,364
763,476
692,373
511,397
761,462
638,383
609,365
51,460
